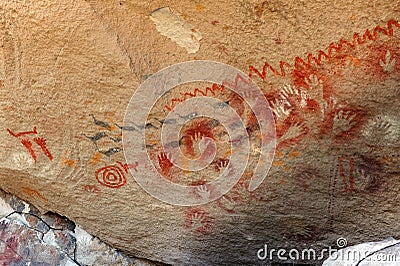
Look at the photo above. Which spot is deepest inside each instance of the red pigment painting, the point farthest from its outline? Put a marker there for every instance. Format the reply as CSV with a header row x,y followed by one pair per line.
x,y
92,189
9,247
165,164
196,92
112,176
311,103
198,221
314,105
27,143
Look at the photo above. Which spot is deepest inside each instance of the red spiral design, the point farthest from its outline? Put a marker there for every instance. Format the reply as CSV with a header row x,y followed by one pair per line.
x,y
111,176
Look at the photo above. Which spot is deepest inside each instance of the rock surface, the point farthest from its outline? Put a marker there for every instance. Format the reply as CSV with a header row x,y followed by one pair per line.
x,y
69,68
28,237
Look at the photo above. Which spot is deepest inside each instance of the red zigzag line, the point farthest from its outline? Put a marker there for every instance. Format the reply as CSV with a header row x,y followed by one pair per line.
x,y
332,48
196,92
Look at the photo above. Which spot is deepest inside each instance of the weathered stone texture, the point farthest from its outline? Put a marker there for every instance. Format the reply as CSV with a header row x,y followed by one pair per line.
x,y
69,68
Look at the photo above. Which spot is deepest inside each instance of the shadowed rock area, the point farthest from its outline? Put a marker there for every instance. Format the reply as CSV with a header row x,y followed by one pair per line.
x,y
328,70
28,237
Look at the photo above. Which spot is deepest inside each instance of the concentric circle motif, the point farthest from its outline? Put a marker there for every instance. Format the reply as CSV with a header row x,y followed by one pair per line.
x,y
111,176
150,92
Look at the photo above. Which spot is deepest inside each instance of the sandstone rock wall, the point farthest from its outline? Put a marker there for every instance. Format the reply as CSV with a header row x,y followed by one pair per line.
x,y
69,68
